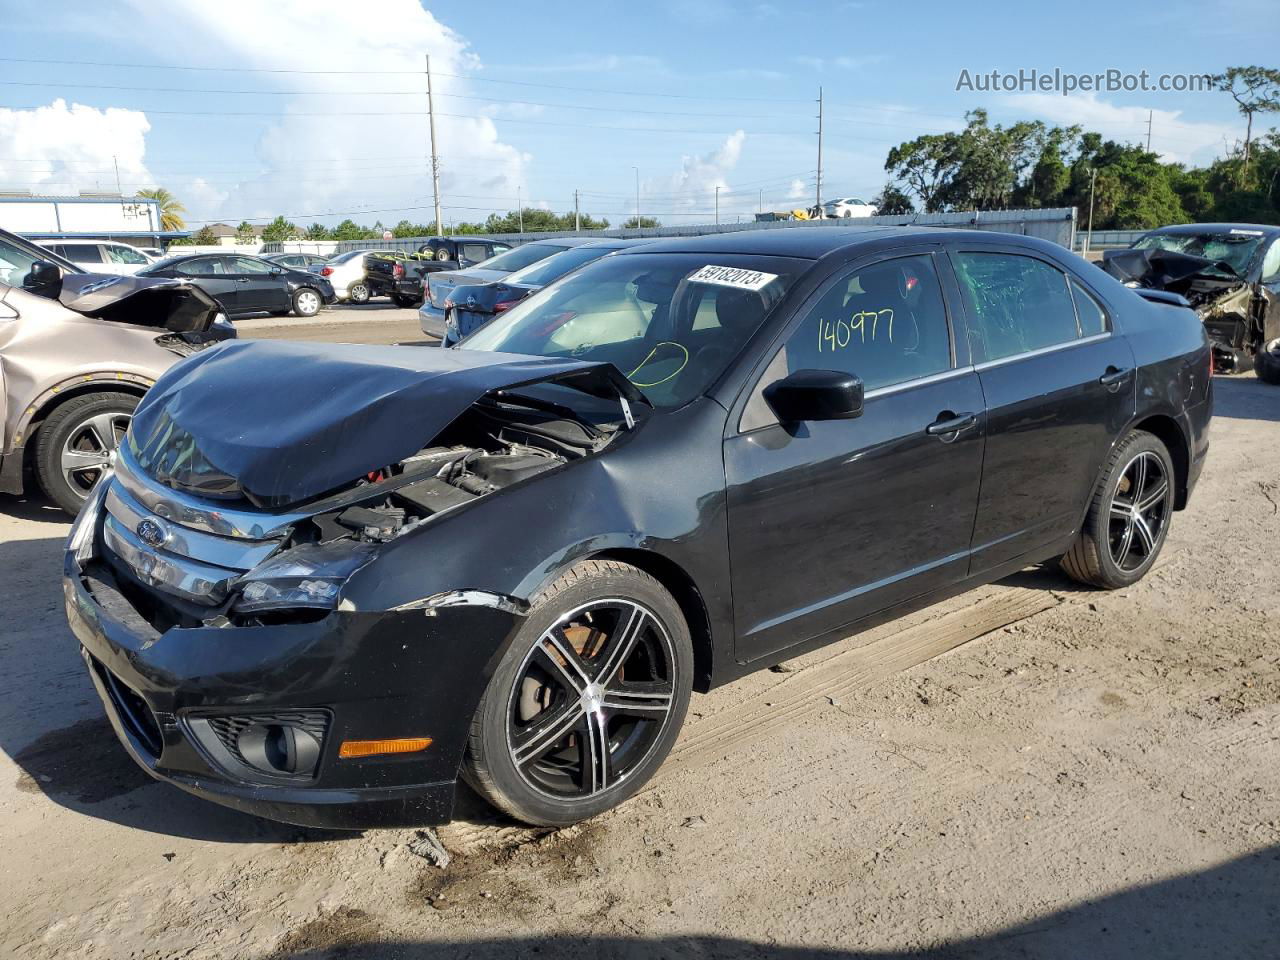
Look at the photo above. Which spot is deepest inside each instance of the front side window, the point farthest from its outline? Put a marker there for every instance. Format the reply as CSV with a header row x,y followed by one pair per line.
x,y
671,322
1016,304
885,323
474,252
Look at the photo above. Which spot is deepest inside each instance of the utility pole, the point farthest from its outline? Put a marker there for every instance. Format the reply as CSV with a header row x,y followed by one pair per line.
x,y
717,204
1088,237
819,192
116,163
435,160
760,201
1150,113
520,209
637,170
577,222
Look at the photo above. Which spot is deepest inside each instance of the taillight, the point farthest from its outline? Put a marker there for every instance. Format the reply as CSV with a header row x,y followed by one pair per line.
x,y
504,305
398,271
326,271
426,286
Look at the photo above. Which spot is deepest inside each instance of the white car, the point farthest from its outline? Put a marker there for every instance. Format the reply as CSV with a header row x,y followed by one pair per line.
x,y
100,256
346,273
848,208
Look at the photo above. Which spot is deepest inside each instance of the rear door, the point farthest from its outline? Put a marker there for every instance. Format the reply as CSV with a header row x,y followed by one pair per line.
x,y
1059,384
866,513
213,275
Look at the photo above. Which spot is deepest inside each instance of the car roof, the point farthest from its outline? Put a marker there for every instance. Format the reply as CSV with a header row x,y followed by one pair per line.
x,y
618,243
1197,228
804,242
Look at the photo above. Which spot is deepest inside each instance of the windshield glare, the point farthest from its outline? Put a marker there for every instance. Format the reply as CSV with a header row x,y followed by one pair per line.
x,y
670,322
1234,249
520,257
553,268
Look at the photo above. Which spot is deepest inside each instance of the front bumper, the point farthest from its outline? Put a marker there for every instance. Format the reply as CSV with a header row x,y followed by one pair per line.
x,y
378,675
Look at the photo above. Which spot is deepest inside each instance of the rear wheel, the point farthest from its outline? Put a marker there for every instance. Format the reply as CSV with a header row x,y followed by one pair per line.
x,y
587,701
77,444
358,293
1267,363
1128,518
306,302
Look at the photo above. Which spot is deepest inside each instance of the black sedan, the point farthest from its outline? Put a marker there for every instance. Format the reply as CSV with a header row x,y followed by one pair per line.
x,y
246,285
468,308
324,582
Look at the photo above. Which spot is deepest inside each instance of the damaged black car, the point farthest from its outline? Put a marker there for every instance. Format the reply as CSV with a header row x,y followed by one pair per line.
x,y
324,582
1229,273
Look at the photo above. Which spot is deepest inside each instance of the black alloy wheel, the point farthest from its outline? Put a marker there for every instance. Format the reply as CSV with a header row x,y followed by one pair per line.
x,y
1128,517
587,702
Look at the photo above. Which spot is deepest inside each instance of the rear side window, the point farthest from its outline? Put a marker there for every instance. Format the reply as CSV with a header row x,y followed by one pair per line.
x,y
475,252
83,252
203,267
886,323
1016,304
1093,319
117,254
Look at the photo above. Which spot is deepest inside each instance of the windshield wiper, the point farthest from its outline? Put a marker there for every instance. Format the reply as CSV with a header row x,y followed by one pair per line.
x,y
549,406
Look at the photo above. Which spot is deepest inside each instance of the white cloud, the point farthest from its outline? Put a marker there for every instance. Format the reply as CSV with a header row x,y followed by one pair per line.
x,y
1175,140
316,164
62,149
694,185
798,190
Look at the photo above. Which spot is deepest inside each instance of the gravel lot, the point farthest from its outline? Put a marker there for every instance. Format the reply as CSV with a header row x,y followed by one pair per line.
x,y
1031,770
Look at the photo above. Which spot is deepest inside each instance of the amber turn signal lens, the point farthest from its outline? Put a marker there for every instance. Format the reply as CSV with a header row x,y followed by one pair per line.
x,y
372,748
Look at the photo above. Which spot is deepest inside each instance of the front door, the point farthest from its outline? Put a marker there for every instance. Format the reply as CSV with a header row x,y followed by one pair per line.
x,y
262,286
832,521
1059,386
213,275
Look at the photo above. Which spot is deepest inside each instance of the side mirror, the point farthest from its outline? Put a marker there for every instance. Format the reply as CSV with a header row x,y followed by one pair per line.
x,y
44,279
815,395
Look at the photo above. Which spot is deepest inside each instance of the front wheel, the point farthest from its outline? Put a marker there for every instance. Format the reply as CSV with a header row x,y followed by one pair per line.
x,y
1128,519
1266,364
77,444
306,302
359,293
588,700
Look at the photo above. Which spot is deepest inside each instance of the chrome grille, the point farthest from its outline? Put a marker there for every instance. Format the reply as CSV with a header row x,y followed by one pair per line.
x,y
164,537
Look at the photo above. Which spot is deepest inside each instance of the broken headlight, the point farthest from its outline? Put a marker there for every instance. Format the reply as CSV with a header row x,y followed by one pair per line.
x,y
310,575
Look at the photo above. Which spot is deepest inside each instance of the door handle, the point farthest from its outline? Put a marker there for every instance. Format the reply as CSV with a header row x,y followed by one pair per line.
x,y
1114,377
953,424
242,279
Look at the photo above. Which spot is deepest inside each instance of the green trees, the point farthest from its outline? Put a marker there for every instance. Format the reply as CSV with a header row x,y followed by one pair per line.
x,y
534,220
1255,90
246,232
171,210
637,222
279,229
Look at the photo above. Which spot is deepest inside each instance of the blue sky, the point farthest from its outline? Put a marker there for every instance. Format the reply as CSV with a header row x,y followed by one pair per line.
x,y
540,100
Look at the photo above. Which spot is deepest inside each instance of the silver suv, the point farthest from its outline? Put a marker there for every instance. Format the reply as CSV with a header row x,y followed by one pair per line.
x,y
77,352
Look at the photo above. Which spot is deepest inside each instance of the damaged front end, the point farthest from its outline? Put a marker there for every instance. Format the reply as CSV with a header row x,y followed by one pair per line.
x,y
1232,310
212,581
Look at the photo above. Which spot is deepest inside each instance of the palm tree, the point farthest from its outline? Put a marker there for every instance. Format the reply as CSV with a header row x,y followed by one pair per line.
x,y
171,210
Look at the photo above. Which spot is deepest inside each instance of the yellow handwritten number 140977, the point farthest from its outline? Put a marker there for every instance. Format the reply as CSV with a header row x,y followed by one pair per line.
x,y
835,335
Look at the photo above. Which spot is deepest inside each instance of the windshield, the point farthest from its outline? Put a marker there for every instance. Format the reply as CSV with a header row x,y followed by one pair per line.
x,y
16,258
553,268
670,322
1235,249
521,257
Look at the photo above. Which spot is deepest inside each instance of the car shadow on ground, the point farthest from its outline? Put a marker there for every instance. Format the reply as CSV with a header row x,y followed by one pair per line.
x,y
1228,911
1245,398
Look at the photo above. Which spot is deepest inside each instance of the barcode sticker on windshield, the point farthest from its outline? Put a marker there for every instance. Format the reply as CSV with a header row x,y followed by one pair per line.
x,y
738,277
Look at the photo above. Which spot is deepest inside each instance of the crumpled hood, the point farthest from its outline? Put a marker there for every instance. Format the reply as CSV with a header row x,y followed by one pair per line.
x,y
175,305
1164,269
281,422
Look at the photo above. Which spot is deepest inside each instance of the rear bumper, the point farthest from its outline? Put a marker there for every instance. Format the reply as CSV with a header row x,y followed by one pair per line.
x,y
410,288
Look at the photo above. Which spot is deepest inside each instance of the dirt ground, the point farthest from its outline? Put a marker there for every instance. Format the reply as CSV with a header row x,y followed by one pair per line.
x,y
1031,770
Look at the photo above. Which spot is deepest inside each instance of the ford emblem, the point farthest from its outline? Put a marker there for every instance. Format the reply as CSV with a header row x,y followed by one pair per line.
x,y
152,532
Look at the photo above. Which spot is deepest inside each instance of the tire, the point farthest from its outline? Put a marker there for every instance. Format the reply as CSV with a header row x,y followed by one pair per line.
x,y
307,302
1114,549
442,255
358,292
560,779
91,426
1266,363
